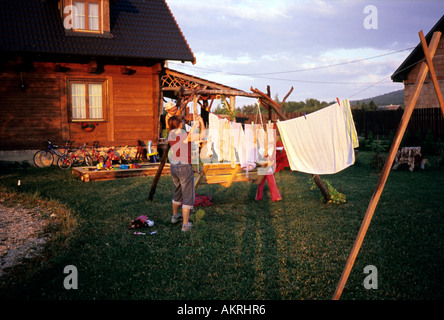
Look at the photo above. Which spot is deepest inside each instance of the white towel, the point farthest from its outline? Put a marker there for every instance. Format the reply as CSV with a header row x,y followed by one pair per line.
x,y
250,147
319,143
350,123
212,134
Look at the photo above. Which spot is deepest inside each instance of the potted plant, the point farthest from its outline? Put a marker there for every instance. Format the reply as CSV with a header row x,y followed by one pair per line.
x,y
89,126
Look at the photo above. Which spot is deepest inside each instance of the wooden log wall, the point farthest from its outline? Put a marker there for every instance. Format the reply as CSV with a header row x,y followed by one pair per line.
x,y
40,110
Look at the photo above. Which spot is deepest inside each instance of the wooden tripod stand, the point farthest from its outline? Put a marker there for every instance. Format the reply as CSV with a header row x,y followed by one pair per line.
x,y
426,66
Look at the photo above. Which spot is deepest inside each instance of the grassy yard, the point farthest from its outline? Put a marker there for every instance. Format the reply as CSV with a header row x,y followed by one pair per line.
x,y
245,249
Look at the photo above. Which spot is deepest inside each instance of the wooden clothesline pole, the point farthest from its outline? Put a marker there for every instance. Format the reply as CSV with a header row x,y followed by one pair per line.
x,y
430,52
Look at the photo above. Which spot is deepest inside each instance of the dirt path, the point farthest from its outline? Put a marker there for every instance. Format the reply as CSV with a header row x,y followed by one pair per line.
x,y
21,234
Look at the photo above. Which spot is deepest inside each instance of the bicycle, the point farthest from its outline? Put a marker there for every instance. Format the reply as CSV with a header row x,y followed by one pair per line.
x,y
45,157
96,155
75,157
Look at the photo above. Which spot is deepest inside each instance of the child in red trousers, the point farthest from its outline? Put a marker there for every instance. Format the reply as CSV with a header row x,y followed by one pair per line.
x,y
275,195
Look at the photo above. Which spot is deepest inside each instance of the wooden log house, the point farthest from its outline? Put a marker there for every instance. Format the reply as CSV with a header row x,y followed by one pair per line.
x,y
67,65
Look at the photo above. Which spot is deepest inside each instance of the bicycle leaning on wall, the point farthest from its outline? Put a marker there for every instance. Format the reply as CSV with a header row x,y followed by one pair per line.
x,y
45,157
75,157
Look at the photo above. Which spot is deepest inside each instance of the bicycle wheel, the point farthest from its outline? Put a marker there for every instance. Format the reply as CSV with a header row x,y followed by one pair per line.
x,y
88,160
64,163
43,158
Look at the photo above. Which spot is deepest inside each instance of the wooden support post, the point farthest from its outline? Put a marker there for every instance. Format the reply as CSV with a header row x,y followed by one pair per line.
x,y
232,104
159,172
195,107
387,166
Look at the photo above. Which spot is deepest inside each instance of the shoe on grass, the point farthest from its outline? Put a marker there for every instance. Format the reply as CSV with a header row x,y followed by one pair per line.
x,y
186,226
176,217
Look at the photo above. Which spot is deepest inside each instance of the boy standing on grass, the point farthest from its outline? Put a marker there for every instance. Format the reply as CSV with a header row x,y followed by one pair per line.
x,y
181,168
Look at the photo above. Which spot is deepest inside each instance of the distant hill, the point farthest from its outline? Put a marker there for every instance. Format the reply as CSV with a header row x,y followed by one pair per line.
x,y
395,97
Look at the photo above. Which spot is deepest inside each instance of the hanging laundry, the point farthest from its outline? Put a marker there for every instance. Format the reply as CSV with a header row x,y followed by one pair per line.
x,y
250,147
319,143
213,134
351,128
226,141
238,145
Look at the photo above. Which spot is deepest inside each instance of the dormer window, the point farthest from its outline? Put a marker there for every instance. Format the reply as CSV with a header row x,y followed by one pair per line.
x,y
87,16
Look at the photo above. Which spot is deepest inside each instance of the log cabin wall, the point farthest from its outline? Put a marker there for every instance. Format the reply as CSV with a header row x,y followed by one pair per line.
x,y
427,97
41,109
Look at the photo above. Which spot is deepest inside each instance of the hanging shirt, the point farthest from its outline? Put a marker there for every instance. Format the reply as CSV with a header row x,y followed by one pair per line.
x,y
320,142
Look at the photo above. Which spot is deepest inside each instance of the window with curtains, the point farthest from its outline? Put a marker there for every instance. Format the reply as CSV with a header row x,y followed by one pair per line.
x,y
87,15
87,100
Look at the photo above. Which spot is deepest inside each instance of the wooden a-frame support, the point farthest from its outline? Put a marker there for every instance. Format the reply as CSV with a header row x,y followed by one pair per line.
x,y
426,66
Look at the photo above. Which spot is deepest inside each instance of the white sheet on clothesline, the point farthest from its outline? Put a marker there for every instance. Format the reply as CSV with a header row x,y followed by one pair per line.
x,y
321,142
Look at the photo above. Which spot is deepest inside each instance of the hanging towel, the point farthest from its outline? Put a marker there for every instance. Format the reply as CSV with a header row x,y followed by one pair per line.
x,y
351,128
319,143
213,134
250,147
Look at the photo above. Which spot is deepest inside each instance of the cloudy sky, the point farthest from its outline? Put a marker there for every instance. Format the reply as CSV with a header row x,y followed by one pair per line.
x,y
324,49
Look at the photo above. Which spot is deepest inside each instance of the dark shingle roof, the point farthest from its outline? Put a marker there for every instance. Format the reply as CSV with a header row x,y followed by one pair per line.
x,y
416,55
141,29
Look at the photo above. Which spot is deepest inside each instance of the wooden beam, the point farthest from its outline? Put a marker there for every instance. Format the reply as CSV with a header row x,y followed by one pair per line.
x,y
268,102
92,66
206,92
286,96
387,166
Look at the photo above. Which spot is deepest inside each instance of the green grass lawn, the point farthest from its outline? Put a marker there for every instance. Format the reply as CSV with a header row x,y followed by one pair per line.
x,y
245,249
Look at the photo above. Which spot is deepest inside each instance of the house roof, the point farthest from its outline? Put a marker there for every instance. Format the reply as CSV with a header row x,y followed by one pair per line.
x,y
416,55
139,30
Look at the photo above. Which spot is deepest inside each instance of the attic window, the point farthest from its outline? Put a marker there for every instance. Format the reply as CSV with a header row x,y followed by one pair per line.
x,y
87,16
